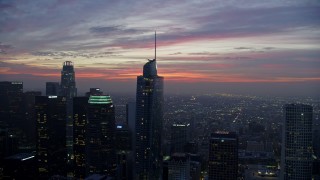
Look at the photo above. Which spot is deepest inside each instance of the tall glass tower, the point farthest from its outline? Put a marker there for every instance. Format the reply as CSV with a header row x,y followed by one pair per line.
x,y
223,156
50,112
99,136
296,152
149,117
68,89
68,81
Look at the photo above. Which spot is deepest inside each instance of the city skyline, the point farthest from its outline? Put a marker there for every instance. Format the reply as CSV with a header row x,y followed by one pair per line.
x,y
206,46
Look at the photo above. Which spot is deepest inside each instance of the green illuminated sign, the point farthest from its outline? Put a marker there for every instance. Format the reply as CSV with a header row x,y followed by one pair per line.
x,y
100,100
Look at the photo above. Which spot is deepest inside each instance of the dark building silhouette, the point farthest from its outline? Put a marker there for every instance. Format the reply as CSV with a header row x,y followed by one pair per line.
x,y
8,144
11,106
180,136
124,152
100,132
80,107
296,154
93,135
68,81
316,169
195,170
29,115
223,156
149,117
51,135
94,92
131,122
191,147
68,89
52,88
20,166
179,167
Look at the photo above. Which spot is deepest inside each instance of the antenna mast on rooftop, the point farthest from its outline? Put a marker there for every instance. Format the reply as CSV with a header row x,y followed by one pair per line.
x,y
155,45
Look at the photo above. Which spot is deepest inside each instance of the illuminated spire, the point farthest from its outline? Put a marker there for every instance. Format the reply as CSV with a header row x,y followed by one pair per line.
x,y
150,68
155,45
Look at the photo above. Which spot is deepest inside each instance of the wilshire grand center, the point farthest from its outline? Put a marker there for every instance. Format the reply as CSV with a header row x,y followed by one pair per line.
x,y
149,117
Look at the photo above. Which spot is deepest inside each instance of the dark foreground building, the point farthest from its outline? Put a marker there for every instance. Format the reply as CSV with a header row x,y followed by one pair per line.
x,y
149,117
223,156
80,107
296,154
20,166
99,137
51,135
11,104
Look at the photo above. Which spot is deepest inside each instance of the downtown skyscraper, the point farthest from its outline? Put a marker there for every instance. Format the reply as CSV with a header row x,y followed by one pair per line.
x,y
223,156
11,96
51,136
68,81
94,133
68,90
296,152
99,136
149,117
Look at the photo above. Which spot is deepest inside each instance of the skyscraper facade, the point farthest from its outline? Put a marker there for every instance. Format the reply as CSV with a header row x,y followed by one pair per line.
x,y
80,107
11,106
124,152
179,167
51,135
29,114
100,133
68,81
296,154
68,90
180,136
149,117
223,156
94,92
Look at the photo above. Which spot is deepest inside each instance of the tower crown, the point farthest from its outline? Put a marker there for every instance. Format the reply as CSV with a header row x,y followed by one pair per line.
x,y
150,68
68,63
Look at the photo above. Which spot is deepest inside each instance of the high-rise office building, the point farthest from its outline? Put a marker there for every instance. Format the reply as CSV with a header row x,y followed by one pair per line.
x,y
100,132
94,92
51,135
87,140
8,144
180,136
52,88
131,116
80,107
11,106
179,167
29,114
68,89
149,117
20,166
131,122
223,156
124,152
68,81
296,152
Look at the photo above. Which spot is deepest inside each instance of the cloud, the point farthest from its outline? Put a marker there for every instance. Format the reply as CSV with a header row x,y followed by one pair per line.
x,y
176,53
221,40
205,53
105,29
5,6
74,54
243,48
4,48
115,30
